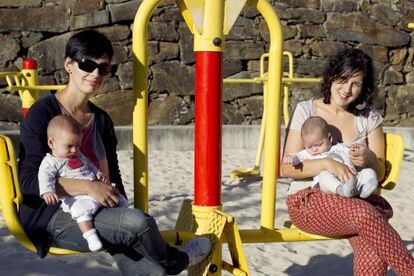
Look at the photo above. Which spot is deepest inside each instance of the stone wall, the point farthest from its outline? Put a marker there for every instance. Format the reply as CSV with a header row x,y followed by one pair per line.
x,y
313,31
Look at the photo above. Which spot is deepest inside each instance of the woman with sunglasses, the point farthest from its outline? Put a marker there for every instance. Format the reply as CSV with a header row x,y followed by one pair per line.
x,y
130,236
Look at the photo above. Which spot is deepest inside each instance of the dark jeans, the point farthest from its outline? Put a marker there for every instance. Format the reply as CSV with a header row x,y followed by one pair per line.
x,y
129,235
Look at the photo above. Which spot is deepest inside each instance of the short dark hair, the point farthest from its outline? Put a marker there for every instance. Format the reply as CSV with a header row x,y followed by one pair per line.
x,y
343,66
88,44
314,123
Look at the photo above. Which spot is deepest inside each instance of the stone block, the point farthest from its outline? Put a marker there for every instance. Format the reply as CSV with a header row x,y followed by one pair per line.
x,y
231,115
251,108
115,1
20,3
11,109
30,38
313,67
85,6
186,43
405,97
124,11
398,56
89,20
8,49
377,53
302,15
311,4
311,31
326,48
116,33
340,6
166,51
392,77
232,91
384,13
120,53
246,50
243,33
293,46
45,19
282,11
162,31
173,77
110,85
170,111
288,31
49,53
410,77
356,27
231,67
125,75
249,12
172,14
118,104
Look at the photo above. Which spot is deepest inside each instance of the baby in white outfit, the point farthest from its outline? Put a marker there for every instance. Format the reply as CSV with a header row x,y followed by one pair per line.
x,y
318,144
66,161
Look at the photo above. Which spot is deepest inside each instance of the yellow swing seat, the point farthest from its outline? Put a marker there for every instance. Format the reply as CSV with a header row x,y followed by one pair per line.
x,y
11,196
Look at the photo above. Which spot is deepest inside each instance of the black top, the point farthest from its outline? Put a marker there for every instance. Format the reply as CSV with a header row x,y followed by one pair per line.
x,y
34,213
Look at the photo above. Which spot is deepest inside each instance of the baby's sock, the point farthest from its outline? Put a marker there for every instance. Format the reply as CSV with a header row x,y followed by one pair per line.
x,y
93,240
347,189
367,182
368,187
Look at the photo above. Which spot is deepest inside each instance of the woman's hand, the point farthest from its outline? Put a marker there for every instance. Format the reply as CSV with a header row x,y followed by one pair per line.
x,y
360,155
104,194
340,170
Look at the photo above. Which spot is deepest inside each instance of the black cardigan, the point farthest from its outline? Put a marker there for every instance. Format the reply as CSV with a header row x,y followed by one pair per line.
x,y
34,213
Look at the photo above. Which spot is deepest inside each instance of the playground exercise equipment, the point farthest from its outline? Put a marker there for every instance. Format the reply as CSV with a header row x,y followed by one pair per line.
x,y
287,80
209,21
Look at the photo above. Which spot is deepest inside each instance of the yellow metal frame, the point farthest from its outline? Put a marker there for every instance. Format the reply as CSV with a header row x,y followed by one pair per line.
x,y
217,222
11,196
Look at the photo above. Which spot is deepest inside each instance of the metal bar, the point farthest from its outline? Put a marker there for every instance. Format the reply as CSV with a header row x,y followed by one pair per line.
x,y
140,89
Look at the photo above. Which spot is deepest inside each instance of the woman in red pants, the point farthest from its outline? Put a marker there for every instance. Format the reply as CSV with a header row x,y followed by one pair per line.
x,y
346,104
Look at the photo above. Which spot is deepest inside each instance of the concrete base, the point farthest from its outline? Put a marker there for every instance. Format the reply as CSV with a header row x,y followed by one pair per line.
x,y
181,138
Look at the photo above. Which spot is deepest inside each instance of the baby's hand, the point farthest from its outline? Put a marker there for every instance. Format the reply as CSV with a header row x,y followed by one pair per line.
x,y
102,177
291,159
50,198
287,160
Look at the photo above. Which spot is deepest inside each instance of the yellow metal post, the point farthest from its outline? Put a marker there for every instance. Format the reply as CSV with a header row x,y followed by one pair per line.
x,y
271,149
139,120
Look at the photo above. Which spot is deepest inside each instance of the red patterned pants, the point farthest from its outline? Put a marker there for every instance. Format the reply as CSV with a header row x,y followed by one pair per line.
x,y
375,242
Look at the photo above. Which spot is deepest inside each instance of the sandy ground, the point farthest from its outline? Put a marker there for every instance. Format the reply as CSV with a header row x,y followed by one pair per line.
x,y
171,181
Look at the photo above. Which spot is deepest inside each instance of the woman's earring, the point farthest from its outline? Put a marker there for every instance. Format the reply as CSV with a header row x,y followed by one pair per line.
x,y
361,106
70,72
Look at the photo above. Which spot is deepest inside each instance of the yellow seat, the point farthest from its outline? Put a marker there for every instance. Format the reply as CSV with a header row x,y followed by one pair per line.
x,y
11,196
394,150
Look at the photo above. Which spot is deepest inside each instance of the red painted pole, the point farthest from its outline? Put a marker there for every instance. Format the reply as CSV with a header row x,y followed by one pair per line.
x,y
208,124
28,64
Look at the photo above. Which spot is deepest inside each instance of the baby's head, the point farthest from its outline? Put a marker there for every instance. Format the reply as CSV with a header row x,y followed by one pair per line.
x,y
315,135
64,136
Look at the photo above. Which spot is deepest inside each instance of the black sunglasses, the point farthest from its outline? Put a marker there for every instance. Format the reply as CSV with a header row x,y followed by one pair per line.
x,y
89,66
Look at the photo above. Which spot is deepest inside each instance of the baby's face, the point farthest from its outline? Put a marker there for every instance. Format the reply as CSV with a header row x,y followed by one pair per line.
x,y
65,144
316,143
